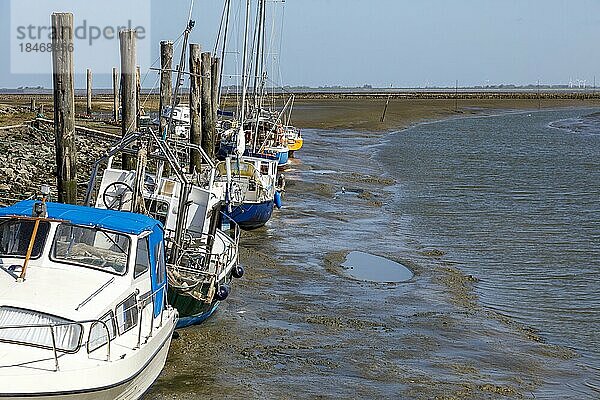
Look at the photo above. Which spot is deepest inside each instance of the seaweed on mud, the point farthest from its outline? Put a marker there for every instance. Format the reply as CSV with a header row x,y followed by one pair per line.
x,y
434,253
368,179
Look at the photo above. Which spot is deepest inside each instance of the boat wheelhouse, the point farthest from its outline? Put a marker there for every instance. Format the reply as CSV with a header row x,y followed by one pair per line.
x,y
201,259
83,302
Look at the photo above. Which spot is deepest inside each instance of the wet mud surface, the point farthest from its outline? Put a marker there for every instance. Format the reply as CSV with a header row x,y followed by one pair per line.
x,y
294,328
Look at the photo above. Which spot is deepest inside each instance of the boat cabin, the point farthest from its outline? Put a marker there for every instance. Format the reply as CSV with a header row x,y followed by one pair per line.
x,y
80,288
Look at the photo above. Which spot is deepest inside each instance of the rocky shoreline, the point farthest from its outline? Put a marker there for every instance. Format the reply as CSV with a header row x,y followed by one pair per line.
x,y
27,160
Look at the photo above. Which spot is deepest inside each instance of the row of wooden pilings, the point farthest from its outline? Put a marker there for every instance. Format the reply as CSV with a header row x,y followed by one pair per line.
x,y
203,99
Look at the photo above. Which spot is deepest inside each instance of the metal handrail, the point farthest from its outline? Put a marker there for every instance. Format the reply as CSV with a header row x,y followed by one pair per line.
x,y
56,350
107,342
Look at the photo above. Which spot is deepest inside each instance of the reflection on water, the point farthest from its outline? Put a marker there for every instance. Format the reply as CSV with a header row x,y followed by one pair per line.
x,y
367,267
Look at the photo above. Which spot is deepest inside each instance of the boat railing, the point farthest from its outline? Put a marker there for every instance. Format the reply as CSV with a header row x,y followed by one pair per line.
x,y
74,332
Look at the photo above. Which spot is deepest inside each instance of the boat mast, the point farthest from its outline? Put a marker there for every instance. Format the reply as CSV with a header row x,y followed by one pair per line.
x,y
259,68
263,75
241,137
185,185
180,70
224,48
245,66
259,44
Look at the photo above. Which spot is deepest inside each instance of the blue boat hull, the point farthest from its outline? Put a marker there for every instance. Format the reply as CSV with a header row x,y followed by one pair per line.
x,y
283,158
251,215
199,318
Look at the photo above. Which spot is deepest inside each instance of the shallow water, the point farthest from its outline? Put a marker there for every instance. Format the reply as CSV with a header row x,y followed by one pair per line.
x,y
517,203
493,219
370,268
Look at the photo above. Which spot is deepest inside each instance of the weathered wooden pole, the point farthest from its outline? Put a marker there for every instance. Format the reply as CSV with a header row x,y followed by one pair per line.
x,y
138,95
456,97
89,92
129,89
64,107
208,123
32,106
195,105
387,104
166,83
115,94
216,83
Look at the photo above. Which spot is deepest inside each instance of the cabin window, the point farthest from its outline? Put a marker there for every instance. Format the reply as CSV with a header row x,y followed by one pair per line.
x,y
92,248
161,264
15,236
127,314
142,258
264,168
102,332
34,329
109,320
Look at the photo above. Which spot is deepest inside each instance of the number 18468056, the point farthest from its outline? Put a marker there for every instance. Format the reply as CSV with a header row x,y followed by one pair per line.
x,y
43,47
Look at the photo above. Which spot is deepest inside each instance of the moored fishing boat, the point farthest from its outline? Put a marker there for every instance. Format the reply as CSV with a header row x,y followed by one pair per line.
x,y
252,190
280,152
294,139
201,258
83,310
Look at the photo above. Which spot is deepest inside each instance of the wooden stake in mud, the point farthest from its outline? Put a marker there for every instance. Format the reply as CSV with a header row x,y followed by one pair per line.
x,y
32,107
195,105
89,92
128,89
387,103
456,97
216,83
64,106
208,124
115,94
166,83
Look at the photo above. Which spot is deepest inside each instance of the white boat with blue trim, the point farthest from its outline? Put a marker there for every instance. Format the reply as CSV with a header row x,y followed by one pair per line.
x,y
83,309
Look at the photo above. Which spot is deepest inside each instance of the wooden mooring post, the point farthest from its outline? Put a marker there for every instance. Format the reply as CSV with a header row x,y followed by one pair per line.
x,y
387,104
115,94
64,107
208,124
89,92
138,95
166,83
128,89
216,83
32,107
195,105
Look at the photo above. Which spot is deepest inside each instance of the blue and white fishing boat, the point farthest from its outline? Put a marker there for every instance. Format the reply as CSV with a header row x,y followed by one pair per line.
x,y
252,191
281,153
83,302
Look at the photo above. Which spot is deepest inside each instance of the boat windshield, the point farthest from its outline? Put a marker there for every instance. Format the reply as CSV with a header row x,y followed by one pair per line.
x,y
91,247
15,237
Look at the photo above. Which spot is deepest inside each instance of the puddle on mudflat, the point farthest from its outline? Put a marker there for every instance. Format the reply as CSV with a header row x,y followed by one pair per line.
x,y
367,267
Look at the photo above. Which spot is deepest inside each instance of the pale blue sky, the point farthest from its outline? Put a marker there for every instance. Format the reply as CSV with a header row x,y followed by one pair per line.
x,y
404,43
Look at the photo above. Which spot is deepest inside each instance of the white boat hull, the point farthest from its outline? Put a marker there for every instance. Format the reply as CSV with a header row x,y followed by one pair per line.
x,y
128,388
